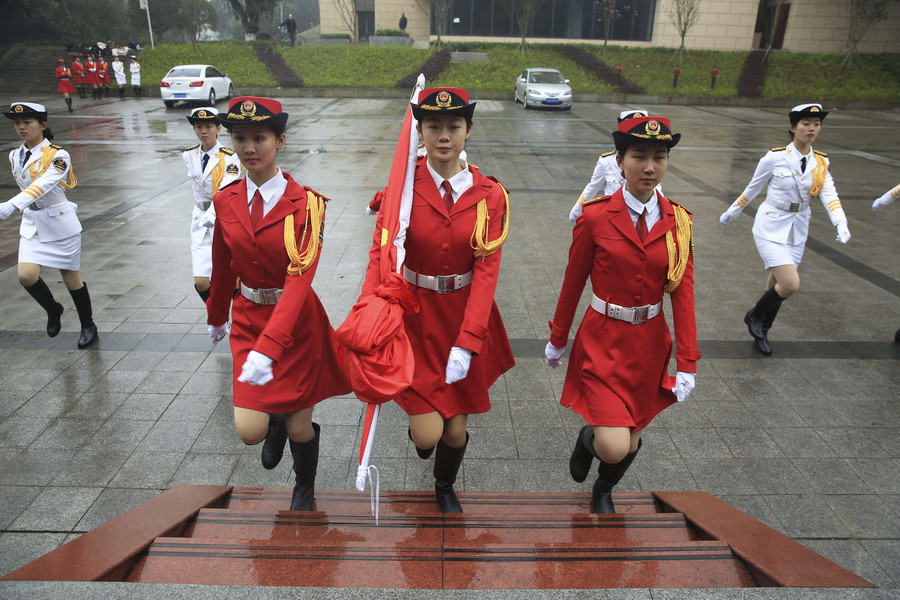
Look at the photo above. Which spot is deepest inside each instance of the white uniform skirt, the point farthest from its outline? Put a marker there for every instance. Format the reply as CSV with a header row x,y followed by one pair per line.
x,y
58,254
201,247
120,78
776,254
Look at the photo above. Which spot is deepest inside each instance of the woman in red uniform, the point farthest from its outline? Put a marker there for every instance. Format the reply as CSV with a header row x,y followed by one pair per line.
x,y
92,78
458,222
103,77
65,87
635,245
78,73
268,233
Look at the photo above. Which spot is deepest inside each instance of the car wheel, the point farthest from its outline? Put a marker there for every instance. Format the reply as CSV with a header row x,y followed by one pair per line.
x,y
169,103
515,96
212,97
525,102
230,92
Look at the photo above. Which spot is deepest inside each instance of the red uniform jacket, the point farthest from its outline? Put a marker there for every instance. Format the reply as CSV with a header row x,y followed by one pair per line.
x,y
618,372
64,75
295,332
438,243
103,72
91,67
78,72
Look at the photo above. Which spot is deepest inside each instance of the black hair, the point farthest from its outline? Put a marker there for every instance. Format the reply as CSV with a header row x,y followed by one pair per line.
x,y
276,128
47,133
621,152
468,119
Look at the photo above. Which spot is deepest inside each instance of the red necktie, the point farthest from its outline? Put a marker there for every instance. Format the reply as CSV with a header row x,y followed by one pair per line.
x,y
256,210
448,196
641,225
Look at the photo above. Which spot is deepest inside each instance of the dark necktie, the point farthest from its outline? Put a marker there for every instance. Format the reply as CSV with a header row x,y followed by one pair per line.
x,y
448,195
803,165
25,157
641,225
256,210
203,161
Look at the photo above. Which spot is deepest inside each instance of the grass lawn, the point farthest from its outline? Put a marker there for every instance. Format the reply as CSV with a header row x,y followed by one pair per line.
x,y
237,59
353,66
870,77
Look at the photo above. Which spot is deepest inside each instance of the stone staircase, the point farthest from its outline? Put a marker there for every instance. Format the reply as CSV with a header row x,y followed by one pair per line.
x,y
31,69
243,536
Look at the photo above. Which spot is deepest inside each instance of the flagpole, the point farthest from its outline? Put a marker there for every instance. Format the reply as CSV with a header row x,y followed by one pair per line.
x,y
145,4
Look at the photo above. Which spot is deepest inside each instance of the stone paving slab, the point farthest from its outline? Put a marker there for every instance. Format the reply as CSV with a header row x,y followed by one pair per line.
x,y
805,441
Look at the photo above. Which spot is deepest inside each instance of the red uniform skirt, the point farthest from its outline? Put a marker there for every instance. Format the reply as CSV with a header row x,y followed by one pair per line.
x,y
93,78
65,87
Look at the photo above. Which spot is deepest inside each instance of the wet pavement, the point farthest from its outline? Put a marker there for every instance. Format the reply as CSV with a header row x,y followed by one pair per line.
x,y
805,441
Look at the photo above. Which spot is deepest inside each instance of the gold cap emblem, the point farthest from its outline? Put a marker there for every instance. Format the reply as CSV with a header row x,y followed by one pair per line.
x,y
652,127
443,99
248,108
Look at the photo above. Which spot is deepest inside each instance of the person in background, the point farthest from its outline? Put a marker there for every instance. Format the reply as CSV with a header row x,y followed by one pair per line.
x,y
291,25
135,68
93,78
118,70
65,87
50,233
103,77
880,203
79,75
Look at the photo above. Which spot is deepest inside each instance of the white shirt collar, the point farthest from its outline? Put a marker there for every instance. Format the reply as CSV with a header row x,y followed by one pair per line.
x,y
271,191
212,151
636,207
799,156
459,183
34,151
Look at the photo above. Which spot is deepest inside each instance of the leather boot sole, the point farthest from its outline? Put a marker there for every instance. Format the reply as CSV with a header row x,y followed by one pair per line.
x,y
88,336
446,498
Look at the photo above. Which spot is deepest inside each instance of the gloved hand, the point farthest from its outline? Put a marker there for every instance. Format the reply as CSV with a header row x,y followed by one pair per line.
x,y
553,355
6,209
207,220
458,364
684,385
730,215
843,234
257,369
217,332
371,212
882,201
575,212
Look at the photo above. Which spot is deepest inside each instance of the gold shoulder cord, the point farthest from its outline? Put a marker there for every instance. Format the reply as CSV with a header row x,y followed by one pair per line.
x,y
312,229
218,172
40,167
678,257
478,241
818,176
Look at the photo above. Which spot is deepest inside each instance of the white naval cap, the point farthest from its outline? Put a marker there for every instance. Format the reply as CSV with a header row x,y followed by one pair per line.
x,y
630,114
203,113
26,109
813,109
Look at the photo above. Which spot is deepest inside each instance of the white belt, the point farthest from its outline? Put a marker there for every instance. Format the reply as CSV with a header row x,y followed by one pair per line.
x,y
204,206
261,296
634,314
442,284
793,207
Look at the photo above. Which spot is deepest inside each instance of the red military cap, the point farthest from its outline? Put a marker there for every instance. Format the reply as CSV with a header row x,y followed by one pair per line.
x,y
443,101
644,129
253,109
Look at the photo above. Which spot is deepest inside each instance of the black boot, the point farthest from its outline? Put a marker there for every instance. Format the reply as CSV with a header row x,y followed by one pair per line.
x,y
69,103
306,458
106,91
757,317
82,301
204,295
273,447
446,465
607,477
121,93
423,454
40,292
582,454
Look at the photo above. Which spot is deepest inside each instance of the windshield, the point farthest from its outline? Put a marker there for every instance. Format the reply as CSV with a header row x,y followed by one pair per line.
x,y
184,72
545,77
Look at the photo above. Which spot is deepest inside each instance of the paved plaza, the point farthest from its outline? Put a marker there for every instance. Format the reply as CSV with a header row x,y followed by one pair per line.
x,y
805,441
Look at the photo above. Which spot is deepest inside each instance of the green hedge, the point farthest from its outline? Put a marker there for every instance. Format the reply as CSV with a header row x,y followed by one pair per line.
x,y
817,77
237,59
353,66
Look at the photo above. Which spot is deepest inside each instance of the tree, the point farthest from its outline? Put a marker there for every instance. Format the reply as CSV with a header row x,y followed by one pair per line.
x,y
195,15
251,12
440,9
347,10
609,13
863,14
524,11
684,15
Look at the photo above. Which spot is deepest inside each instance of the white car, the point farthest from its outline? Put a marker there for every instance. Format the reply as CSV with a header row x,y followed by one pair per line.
x,y
543,87
195,83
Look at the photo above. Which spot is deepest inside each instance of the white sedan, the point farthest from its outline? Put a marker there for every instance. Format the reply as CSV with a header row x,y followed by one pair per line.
x,y
543,87
195,83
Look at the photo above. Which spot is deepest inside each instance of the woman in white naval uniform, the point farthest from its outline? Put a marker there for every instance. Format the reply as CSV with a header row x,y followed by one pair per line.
x,y
795,174
210,167
50,233
607,176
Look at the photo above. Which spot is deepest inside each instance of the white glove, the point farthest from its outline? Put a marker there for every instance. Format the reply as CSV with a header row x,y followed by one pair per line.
x,y
458,364
7,209
371,212
684,385
730,215
207,220
553,355
257,369
217,332
843,234
882,201
575,212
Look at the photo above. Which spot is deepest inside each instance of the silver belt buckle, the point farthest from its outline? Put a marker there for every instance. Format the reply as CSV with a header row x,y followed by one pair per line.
x,y
445,284
640,315
36,205
204,206
794,207
267,296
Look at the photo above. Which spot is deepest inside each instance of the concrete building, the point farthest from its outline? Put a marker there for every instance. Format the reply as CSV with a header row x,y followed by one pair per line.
x,y
801,25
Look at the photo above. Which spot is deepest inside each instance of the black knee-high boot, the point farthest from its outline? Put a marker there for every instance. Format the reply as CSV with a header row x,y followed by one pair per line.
x,y
121,92
273,447
760,318
423,454
69,103
106,91
40,292
82,300
607,477
204,294
306,459
447,461
582,454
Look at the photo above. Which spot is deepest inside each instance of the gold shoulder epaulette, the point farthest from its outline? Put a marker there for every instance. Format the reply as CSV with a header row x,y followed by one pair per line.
x,y
55,147
319,194
597,199
192,147
777,148
610,153
228,151
820,153
679,204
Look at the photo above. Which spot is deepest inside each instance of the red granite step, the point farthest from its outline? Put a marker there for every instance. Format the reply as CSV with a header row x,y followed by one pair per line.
x,y
478,564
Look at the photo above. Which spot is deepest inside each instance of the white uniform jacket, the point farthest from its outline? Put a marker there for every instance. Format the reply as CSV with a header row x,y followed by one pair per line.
x,y
222,168
784,215
119,71
45,209
135,69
